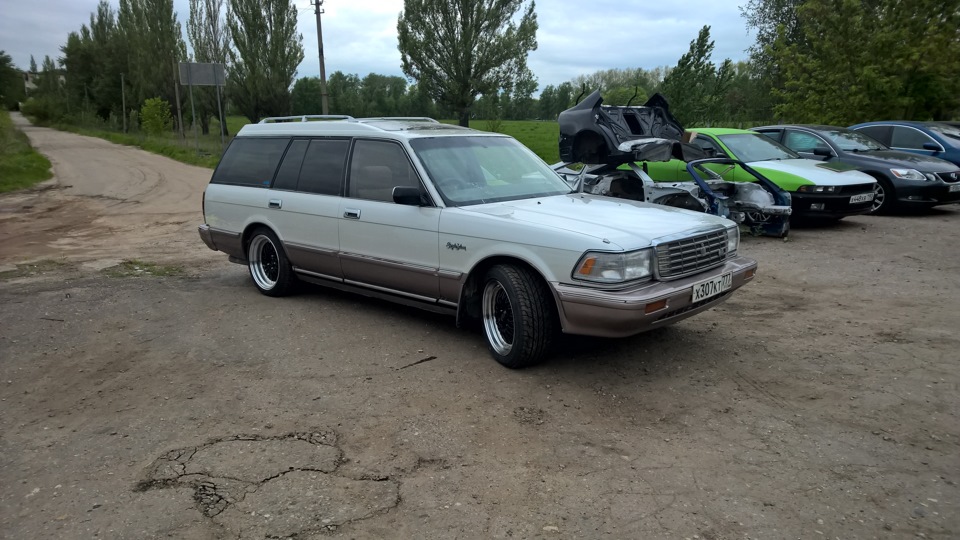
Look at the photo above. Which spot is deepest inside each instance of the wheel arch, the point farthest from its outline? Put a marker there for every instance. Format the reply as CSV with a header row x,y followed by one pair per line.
x,y
248,232
468,307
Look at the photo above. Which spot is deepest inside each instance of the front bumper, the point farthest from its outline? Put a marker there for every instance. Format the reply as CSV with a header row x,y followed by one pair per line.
x,y
829,205
594,312
927,193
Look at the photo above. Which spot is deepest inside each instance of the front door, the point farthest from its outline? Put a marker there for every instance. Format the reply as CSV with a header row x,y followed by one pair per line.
x,y
384,245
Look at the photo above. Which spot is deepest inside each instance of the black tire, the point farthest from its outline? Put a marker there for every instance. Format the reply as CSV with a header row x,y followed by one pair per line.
x,y
518,315
269,267
884,197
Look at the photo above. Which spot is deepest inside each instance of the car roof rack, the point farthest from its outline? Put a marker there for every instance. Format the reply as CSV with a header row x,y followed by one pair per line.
x,y
402,119
306,118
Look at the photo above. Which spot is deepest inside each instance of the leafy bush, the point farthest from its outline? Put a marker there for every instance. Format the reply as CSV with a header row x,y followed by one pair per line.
x,y
155,117
45,109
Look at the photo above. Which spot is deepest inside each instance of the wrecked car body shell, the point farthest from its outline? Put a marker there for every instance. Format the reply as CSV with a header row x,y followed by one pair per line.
x,y
610,141
762,206
593,133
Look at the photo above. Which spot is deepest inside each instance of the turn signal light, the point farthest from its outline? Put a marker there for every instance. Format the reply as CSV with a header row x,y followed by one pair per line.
x,y
655,306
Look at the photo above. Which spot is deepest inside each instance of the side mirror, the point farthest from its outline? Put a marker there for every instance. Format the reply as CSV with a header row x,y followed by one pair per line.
x,y
822,151
932,146
407,195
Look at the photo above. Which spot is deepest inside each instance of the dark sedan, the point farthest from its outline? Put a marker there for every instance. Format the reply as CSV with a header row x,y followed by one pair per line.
x,y
937,139
903,179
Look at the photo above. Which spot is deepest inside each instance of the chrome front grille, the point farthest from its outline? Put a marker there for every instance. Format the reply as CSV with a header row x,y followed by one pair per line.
x,y
691,255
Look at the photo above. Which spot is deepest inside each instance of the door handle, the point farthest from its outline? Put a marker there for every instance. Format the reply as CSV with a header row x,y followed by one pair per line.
x,y
275,203
351,213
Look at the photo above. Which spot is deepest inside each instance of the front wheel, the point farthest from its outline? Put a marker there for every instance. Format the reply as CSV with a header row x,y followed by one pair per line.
x,y
519,319
269,267
883,197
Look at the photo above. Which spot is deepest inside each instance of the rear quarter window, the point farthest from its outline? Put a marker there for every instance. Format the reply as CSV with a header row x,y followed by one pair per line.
x,y
250,161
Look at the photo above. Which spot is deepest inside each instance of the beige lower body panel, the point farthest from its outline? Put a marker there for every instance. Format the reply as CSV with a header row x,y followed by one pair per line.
x,y
593,312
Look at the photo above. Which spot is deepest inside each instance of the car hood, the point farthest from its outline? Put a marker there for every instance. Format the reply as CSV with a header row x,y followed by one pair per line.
x,y
821,174
896,158
625,223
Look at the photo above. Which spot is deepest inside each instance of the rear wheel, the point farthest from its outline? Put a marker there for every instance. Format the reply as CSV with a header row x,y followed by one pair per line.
x,y
269,267
519,319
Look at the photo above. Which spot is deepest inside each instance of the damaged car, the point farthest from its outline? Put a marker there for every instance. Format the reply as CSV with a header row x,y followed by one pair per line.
x,y
616,147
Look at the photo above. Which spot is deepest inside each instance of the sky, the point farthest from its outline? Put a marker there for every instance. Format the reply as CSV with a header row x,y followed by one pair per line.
x,y
360,36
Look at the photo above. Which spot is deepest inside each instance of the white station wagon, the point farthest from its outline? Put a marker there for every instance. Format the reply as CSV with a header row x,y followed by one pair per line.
x,y
463,222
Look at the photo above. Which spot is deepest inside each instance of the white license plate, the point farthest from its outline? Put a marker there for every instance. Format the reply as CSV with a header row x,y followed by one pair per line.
x,y
863,197
955,187
712,287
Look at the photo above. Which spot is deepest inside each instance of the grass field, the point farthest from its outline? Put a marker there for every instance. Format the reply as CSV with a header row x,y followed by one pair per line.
x,y
541,137
20,165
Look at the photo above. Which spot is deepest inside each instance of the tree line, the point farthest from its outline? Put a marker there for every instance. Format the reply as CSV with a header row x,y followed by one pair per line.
x,y
824,61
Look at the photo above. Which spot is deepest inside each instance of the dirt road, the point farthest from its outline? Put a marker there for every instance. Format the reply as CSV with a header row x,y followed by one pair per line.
x,y
821,401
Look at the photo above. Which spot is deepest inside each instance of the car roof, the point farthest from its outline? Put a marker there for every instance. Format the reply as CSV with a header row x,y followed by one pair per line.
x,y
721,131
812,127
390,127
894,123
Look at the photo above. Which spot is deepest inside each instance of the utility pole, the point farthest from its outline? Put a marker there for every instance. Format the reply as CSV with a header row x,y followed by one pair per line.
x,y
323,70
123,102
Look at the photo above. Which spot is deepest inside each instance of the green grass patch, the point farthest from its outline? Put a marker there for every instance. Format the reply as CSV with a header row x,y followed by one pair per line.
x,y
137,268
20,165
34,268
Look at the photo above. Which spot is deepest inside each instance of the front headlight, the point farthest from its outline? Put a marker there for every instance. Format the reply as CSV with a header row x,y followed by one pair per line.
x,y
817,189
733,240
908,174
602,267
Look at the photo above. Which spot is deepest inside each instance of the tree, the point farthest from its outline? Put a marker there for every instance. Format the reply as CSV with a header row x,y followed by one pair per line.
x,y
695,87
33,65
210,38
306,96
457,50
152,44
11,82
264,62
856,61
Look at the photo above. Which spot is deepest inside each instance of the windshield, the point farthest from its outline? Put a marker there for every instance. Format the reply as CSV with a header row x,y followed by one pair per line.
x,y
751,147
475,170
852,141
948,132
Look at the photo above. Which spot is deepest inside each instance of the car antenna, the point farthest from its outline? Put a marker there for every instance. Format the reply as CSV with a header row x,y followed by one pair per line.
x,y
636,90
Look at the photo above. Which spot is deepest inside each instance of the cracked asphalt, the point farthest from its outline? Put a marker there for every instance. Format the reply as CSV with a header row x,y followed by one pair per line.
x,y
820,401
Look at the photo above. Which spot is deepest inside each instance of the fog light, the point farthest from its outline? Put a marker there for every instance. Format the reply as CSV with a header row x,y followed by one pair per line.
x,y
655,306
818,206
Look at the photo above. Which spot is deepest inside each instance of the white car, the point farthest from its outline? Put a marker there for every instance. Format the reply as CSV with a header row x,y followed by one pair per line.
x,y
463,222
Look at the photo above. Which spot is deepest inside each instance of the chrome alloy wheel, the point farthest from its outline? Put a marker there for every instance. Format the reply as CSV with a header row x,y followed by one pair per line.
x,y
498,322
264,262
878,196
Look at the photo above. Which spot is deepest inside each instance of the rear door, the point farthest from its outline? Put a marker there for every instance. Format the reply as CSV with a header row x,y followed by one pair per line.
x,y
384,245
306,195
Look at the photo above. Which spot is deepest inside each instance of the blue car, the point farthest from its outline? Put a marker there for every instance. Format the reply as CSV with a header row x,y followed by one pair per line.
x,y
937,139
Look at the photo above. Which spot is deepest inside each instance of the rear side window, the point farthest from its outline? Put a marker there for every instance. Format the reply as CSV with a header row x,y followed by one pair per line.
x,y
880,133
323,166
289,170
250,162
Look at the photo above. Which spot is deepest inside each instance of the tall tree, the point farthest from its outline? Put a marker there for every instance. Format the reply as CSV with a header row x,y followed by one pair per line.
x,y
264,62
210,38
457,50
696,85
860,61
11,82
152,42
33,64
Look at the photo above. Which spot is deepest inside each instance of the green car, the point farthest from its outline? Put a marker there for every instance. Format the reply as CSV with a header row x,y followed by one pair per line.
x,y
817,189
